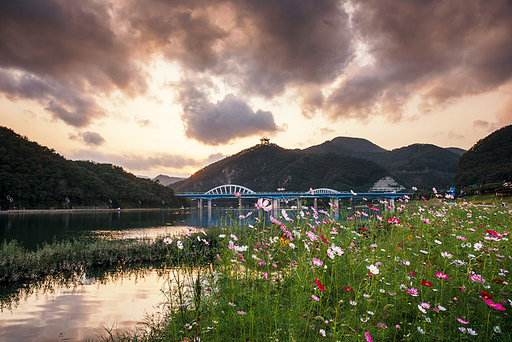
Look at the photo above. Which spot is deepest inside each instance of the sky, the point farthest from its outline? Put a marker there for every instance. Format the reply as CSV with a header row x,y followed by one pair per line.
x,y
170,86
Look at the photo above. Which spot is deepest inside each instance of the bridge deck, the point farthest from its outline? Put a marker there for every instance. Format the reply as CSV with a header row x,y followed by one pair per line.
x,y
202,195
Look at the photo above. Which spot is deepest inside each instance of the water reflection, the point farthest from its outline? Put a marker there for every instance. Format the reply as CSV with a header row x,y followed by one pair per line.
x,y
32,229
80,306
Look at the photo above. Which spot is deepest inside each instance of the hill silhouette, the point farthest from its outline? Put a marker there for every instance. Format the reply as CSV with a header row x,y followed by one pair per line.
x,y
488,161
35,176
268,167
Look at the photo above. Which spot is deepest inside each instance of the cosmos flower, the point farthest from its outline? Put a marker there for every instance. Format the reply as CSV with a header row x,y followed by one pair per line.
x,y
493,305
320,286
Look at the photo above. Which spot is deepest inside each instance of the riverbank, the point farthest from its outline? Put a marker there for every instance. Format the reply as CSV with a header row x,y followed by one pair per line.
x,y
20,264
50,211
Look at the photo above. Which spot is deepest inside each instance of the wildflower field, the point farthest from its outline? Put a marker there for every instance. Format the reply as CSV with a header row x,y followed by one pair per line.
x,y
422,271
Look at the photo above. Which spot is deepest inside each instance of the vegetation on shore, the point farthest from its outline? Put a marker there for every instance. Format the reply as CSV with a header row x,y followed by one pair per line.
x,y
425,271
20,264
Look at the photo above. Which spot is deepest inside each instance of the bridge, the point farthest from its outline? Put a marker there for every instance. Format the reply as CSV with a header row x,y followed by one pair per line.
x,y
240,192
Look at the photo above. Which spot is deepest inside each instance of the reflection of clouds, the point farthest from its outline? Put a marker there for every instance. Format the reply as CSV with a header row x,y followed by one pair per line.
x,y
119,301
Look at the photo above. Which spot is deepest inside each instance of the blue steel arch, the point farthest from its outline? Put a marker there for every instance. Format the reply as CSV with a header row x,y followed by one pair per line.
x,y
229,189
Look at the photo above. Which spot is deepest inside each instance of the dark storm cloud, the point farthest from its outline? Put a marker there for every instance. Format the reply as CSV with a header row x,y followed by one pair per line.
x,y
439,50
219,123
66,54
65,103
66,51
258,46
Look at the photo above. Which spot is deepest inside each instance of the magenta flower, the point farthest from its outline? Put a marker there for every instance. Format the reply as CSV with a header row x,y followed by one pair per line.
x,y
462,321
493,305
441,275
413,292
367,336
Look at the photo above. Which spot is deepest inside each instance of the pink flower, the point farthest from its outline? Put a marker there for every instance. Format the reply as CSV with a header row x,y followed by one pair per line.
x,y
493,233
317,262
315,298
382,325
493,305
367,336
462,321
241,313
441,275
413,292
263,204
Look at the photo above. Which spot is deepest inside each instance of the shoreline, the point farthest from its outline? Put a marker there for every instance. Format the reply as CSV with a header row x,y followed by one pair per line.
x,y
51,211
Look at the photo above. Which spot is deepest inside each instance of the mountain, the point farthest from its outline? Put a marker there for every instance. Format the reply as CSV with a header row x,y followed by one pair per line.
x,y
268,167
346,146
488,161
34,176
457,150
420,165
167,180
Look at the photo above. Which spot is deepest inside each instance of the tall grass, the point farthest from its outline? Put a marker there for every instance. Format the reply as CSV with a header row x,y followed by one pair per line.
x,y
422,271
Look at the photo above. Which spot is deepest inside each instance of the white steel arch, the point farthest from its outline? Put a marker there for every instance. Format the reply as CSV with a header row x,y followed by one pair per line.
x,y
325,191
230,189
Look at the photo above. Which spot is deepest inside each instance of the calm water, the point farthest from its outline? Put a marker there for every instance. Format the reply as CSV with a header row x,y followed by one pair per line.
x,y
80,308
32,229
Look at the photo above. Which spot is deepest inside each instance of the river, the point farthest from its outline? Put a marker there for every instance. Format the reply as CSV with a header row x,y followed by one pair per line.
x,y
83,307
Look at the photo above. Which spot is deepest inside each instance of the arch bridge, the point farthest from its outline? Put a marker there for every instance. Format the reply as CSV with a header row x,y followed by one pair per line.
x,y
239,191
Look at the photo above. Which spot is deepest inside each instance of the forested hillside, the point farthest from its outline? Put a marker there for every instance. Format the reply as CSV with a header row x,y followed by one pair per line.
x,y
34,176
488,161
266,168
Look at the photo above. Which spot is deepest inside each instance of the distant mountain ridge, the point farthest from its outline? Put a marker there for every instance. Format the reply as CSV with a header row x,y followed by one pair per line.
x,y
350,146
167,180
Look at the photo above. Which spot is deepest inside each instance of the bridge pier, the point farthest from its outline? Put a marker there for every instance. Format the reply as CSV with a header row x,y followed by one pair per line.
x,y
315,203
209,211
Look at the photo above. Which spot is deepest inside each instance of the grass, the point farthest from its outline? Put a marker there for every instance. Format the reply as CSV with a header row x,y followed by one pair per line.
x,y
19,264
425,271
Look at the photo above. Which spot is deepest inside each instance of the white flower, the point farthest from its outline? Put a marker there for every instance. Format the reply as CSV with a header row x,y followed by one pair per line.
x,y
167,241
422,309
497,329
292,245
438,242
322,332
179,244
472,332
373,269
421,331
478,246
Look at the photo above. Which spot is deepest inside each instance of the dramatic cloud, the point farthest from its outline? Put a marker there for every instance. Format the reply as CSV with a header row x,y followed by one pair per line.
x,y
340,59
438,50
60,53
218,123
